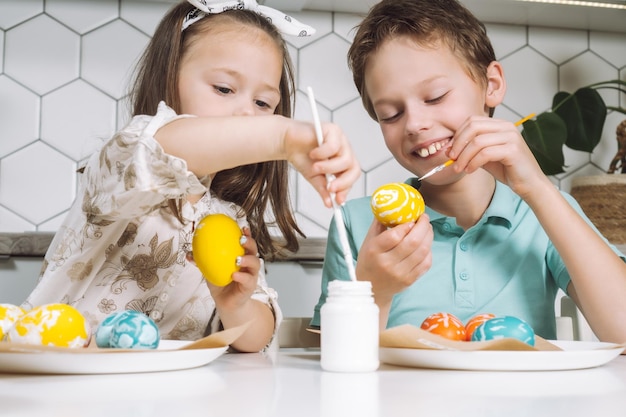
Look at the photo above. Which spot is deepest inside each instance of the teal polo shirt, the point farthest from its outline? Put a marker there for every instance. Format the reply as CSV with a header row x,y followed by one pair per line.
x,y
505,265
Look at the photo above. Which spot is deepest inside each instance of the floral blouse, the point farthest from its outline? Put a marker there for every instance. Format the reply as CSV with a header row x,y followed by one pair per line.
x,y
121,247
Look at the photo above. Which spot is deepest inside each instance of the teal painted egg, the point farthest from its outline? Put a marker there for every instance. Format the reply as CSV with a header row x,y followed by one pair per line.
x,y
503,327
128,330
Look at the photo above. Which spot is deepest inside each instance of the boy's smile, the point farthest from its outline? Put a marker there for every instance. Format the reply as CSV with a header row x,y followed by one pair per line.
x,y
421,95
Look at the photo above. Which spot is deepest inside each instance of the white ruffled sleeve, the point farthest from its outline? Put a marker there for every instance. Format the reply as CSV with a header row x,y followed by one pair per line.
x,y
132,175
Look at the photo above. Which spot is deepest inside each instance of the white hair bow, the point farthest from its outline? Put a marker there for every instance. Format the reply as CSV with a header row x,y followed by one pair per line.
x,y
287,25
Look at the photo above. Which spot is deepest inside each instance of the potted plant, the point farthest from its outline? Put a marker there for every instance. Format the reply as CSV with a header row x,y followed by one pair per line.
x,y
576,120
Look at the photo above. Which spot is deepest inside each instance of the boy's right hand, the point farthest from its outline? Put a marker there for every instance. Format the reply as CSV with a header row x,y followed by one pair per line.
x,y
394,258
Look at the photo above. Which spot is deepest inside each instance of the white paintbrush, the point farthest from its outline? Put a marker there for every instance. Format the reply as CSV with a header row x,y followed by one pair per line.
x,y
341,227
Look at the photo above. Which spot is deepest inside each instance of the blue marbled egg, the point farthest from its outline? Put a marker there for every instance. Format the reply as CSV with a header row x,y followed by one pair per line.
x,y
128,330
502,327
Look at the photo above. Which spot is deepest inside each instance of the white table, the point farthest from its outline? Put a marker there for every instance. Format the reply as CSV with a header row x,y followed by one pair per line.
x,y
292,384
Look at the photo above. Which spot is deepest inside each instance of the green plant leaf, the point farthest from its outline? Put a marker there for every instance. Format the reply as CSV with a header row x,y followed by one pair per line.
x,y
584,114
545,137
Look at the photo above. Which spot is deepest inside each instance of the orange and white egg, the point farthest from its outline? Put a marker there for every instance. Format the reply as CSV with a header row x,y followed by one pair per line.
x,y
397,203
9,314
54,324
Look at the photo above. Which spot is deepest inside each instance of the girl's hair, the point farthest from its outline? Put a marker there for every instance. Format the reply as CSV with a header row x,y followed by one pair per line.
x,y
428,23
254,187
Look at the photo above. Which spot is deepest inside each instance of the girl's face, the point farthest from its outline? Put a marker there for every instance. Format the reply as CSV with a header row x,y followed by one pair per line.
x,y
420,96
230,70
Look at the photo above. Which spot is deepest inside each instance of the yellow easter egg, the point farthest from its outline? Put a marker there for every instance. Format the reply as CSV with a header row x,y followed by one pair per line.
x,y
215,246
9,314
397,203
54,324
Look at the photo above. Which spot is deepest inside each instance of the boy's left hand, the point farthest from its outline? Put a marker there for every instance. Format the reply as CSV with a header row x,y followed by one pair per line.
x,y
498,147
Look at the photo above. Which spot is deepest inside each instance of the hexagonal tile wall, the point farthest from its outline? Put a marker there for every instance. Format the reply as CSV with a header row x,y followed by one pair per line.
x,y
65,70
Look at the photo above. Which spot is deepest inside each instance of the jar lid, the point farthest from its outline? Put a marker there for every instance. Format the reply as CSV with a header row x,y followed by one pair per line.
x,y
339,286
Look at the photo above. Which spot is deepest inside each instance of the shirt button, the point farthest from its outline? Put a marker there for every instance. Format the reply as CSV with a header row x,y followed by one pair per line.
x,y
155,315
464,276
164,296
446,227
464,246
171,282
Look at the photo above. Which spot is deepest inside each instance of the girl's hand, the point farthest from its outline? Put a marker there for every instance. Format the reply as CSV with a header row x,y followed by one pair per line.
x,y
393,259
334,157
498,147
236,294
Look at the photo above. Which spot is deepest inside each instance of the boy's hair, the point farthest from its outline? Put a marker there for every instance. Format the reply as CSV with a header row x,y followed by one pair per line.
x,y
429,23
255,187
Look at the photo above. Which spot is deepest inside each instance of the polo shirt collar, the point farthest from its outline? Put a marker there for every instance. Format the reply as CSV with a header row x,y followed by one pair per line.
x,y
502,206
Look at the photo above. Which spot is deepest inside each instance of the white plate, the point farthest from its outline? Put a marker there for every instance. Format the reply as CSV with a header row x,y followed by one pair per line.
x,y
165,358
575,355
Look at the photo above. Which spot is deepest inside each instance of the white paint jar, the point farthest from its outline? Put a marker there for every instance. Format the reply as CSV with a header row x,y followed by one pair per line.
x,y
349,328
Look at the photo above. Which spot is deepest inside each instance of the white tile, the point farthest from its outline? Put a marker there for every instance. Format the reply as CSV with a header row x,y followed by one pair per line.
x,y
586,69
303,109
80,18
345,25
322,22
1,50
109,55
363,133
19,115
53,224
124,112
77,119
144,15
13,12
575,160
531,81
310,228
610,46
565,183
323,66
558,45
390,171
506,39
12,223
37,182
52,58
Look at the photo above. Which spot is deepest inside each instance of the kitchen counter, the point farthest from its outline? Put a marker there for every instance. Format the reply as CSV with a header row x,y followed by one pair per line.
x,y
291,383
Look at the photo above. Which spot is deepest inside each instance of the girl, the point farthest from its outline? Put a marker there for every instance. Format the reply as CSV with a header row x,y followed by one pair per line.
x,y
125,242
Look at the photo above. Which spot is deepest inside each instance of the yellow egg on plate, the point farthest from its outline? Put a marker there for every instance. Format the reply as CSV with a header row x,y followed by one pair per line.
x,y
9,314
54,324
216,246
396,203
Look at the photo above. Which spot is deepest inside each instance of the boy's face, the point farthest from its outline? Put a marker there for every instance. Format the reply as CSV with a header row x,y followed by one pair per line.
x,y
420,96
230,70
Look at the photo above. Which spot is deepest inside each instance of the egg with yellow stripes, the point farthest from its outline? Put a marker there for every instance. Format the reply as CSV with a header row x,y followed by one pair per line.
x,y
55,324
396,203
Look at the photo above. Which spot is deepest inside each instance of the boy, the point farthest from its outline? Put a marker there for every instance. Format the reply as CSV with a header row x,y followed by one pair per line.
x,y
497,236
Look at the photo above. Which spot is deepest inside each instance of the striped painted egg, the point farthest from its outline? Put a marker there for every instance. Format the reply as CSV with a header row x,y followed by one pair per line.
x,y
505,327
397,203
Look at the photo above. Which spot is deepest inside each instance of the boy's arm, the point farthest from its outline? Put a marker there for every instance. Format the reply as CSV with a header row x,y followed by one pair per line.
x,y
598,275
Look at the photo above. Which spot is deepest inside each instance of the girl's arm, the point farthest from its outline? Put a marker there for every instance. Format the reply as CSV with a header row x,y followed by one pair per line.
x,y
212,144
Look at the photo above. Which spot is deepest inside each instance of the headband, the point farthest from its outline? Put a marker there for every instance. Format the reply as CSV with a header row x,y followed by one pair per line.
x,y
287,25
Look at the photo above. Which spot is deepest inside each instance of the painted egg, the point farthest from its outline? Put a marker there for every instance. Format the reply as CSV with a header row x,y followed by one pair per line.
x,y
474,322
446,325
128,330
503,327
9,314
216,246
397,203
54,324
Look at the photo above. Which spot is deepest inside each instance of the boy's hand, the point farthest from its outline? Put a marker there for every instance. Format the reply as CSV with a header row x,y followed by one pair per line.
x,y
393,259
498,147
